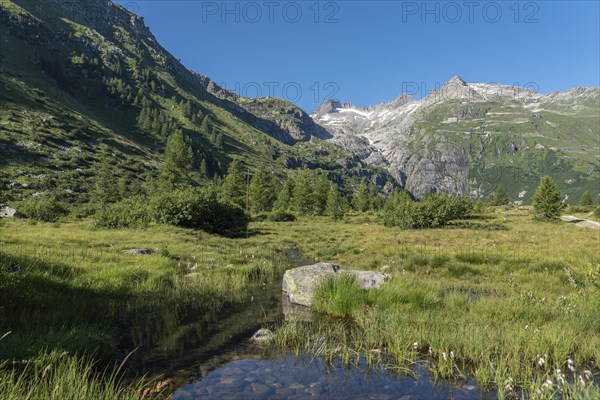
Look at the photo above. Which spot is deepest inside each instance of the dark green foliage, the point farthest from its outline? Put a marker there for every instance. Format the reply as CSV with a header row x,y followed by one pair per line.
x,y
44,209
303,199
320,194
586,200
281,216
106,187
479,207
547,204
284,198
177,163
234,185
336,204
362,198
500,197
432,211
261,191
199,209
131,212
597,212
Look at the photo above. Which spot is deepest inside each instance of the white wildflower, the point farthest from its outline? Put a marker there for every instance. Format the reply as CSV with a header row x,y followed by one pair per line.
x,y
581,380
444,355
587,374
416,345
541,362
452,355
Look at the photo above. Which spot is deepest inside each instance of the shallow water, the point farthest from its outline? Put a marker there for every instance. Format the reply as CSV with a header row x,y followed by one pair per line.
x,y
288,377
209,356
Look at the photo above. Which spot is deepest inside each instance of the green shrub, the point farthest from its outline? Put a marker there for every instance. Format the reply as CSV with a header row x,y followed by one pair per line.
x,y
47,210
281,216
128,213
597,212
199,209
432,212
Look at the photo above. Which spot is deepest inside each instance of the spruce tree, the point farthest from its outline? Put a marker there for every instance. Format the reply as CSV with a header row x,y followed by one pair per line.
x,y
586,200
262,191
362,197
177,163
547,204
203,169
303,200
234,185
500,197
284,198
321,194
336,204
106,189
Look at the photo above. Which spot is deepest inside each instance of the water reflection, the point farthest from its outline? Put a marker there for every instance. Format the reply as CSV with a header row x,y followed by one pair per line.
x,y
288,377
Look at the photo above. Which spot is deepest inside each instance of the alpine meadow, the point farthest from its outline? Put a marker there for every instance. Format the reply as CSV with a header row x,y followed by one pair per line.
x,y
165,236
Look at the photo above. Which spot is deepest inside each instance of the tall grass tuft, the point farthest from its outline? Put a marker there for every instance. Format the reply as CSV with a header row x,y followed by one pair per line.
x,y
58,375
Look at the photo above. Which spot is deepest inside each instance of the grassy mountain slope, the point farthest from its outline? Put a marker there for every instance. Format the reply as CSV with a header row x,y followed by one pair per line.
x,y
82,80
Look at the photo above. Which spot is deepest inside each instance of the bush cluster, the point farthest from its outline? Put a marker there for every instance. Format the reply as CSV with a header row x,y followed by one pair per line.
x,y
432,211
189,208
45,209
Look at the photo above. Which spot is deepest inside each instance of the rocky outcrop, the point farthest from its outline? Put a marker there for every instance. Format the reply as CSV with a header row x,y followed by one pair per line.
x,y
300,283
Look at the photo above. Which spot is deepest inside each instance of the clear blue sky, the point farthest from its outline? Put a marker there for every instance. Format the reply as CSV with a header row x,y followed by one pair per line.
x,y
369,52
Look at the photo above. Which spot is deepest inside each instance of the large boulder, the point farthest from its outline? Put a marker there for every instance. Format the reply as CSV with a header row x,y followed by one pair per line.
x,y
300,283
7,212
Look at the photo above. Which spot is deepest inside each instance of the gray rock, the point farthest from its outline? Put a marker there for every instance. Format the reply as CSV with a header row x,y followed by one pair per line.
x,y
300,283
8,212
138,252
263,335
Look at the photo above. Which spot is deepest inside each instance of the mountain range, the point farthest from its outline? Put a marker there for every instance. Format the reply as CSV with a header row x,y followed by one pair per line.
x,y
84,80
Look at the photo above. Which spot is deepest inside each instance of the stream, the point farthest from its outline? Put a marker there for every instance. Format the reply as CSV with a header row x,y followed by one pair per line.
x,y
210,356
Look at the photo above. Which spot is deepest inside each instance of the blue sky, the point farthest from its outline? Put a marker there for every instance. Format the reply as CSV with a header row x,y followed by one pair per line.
x,y
369,52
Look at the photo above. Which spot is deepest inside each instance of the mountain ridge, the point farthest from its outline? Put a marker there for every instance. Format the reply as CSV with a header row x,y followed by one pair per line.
x,y
426,153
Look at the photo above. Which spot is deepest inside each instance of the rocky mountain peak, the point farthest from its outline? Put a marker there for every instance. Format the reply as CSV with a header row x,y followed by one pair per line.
x,y
329,106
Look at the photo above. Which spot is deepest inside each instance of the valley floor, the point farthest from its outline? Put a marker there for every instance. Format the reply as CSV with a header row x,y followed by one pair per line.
x,y
498,296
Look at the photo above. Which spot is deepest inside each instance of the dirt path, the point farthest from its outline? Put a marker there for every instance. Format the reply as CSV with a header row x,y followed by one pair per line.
x,y
582,223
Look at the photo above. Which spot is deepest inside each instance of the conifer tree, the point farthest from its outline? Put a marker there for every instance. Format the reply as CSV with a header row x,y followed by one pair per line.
x,y
586,200
203,169
336,204
362,197
547,204
303,199
321,193
284,198
177,163
234,186
500,197
261,191
106,189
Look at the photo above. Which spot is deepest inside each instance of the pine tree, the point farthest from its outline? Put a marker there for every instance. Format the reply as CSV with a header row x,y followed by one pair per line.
x,y
320,194
177,163
261,191
105,190
500,197
219,141
203,169
362,197
586,200
284,198
303,199
234,185
547,203
336,204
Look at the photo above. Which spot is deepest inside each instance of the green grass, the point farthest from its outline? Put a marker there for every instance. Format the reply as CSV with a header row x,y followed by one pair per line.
x,y
60,376
497,300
